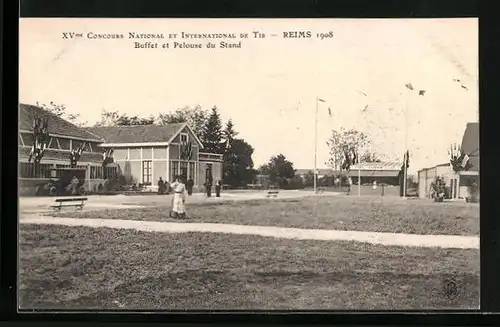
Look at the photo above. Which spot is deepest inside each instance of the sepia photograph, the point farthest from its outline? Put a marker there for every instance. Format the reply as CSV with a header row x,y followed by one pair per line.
x,y
248,164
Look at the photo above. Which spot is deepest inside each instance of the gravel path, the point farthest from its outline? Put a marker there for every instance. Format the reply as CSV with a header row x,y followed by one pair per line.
x,y
390,239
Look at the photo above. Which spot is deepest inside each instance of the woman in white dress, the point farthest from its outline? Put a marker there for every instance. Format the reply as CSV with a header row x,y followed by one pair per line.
x,y
179,200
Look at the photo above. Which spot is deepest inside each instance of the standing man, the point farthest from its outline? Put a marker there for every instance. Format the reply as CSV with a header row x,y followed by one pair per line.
x,y
349,183
218,186
208,182
179,199
161,186
189,185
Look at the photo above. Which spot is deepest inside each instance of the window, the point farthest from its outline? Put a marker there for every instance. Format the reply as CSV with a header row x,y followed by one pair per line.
x,y
147,172
76,144
184,170
208,171
64,143
28,139
184,137
53,143
96,172
27,170
192,172
174,167
88,147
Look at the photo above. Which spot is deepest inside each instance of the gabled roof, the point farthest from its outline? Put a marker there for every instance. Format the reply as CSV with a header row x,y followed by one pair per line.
x,y
57,125
470,140
138,133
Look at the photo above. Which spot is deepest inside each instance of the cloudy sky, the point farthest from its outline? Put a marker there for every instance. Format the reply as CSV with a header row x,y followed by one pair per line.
x,y
269,86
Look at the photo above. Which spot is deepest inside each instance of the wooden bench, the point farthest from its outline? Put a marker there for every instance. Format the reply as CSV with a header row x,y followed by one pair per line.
x,y
272,193
69,202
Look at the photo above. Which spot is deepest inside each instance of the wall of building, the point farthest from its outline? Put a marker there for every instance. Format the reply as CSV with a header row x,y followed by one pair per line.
x,y
427,176
216,172
132,163
379,191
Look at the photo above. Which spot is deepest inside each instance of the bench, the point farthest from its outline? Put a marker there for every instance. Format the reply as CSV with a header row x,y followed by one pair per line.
x,y
272,193
78,203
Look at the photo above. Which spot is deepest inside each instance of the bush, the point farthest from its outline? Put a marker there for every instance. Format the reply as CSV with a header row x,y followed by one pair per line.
x,y
294,183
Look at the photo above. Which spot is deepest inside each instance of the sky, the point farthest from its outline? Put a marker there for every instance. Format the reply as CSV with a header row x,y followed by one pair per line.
x,y
269,86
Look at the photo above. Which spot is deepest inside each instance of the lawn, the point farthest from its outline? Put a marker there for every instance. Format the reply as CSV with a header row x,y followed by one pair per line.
x,y
101,268
325,212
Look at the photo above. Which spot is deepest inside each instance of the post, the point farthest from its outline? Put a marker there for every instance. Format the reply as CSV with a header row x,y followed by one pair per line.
x,y
406,146
404,176
359,179
315,145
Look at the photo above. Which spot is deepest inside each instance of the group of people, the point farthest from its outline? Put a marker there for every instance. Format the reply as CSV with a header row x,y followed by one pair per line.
x,y
165,188
180,191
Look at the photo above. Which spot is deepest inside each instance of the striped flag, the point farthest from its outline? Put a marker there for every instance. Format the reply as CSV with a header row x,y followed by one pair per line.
x,y
409,86
465,160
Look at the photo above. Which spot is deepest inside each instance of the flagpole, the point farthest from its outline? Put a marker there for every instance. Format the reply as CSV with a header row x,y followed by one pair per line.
x,y
315,144
405,172
359,177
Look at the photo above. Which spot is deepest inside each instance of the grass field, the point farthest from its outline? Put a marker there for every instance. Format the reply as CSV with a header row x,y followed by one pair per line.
x,y
335,212
84,268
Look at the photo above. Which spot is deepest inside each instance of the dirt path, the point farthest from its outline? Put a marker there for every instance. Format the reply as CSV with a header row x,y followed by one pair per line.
x,y
390,239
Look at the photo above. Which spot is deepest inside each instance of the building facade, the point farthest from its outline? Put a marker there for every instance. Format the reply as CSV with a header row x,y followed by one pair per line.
x,y
381,172
427,176
64,137
459,183
145,153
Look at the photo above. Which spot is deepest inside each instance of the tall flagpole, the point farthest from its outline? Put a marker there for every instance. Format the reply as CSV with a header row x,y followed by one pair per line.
x,y
405,159
359,177
315,144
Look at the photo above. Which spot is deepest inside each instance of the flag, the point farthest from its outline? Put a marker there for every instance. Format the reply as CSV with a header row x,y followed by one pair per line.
x,y
321,100
465,160
329,112
406,159
421,92
409,86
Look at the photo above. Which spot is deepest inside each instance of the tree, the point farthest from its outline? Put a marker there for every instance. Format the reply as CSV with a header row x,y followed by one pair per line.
x,y
125,120
114,118
345,141
229,133
60,110
238,164
370,157
195,117
108,118
309,178
278,168
212,133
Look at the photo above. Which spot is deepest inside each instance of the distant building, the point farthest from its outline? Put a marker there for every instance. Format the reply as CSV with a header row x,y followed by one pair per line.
x,y
321,172
64,137
381,172
460,182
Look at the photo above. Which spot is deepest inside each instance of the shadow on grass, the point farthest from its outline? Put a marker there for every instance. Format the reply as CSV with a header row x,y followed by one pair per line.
x,y
101,268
